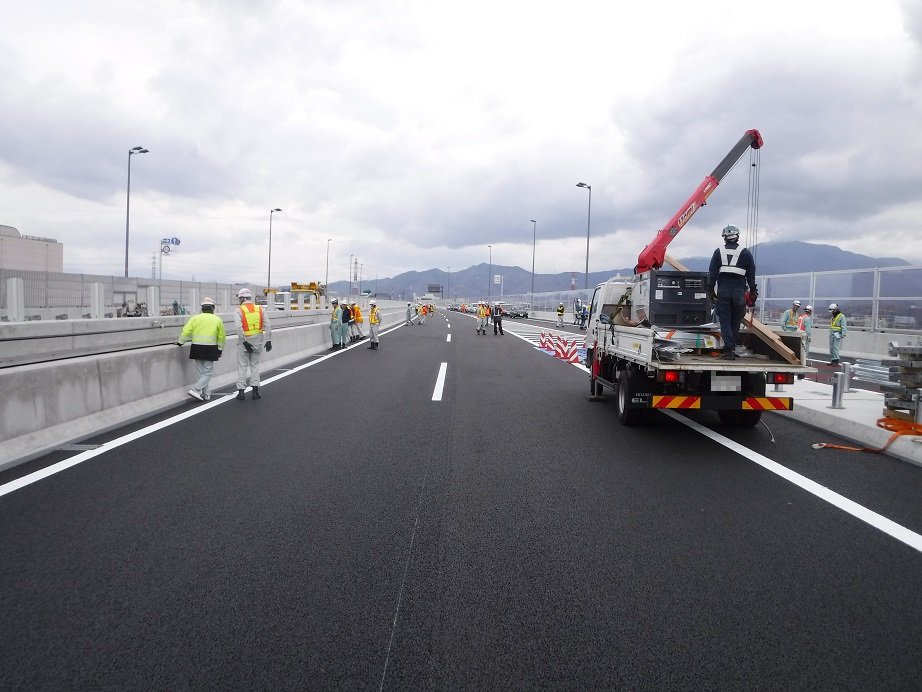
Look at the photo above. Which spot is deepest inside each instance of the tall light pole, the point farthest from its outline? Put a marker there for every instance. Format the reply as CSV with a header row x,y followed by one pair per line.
x,y
350,273
588,218
131,152
326,281
269,274
449,284
490,273
534,238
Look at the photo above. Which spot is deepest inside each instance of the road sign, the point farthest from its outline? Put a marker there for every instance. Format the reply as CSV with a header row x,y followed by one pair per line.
x,y
165,249
174,241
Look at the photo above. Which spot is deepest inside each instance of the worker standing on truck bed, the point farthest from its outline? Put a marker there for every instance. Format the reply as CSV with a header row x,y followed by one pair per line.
x,y
732,269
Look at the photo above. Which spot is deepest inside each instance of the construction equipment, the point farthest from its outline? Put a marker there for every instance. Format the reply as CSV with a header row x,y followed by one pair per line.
x,y
652,340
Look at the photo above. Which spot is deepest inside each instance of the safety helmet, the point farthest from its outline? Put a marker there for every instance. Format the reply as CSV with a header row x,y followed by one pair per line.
x,y
371,302
833,307
730,233
207,301
335,301
352,303
244,293
809,308
796,303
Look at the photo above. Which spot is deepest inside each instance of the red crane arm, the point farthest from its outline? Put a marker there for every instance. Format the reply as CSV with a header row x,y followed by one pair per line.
x,y
654,254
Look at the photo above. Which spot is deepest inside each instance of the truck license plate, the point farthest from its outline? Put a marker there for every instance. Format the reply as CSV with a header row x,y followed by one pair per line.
x,y
725,383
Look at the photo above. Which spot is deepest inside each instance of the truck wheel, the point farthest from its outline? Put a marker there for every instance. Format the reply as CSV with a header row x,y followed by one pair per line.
x,y
627,415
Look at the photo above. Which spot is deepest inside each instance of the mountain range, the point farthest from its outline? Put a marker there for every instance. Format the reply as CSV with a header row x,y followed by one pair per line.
x,y
788,257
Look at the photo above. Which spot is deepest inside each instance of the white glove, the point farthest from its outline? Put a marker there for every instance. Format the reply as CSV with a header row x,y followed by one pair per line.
x,y
838,335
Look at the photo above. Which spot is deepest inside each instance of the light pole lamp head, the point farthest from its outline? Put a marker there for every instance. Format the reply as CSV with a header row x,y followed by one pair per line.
x,y
272,210
137,150
588,187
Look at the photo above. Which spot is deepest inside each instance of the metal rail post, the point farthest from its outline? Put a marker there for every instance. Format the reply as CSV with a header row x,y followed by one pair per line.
x,y
838,385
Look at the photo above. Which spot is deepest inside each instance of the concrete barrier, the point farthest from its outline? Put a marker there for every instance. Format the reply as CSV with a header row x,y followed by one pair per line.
x,y
50,404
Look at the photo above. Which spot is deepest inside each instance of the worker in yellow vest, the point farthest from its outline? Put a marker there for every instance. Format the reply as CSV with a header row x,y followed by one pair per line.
x,y
357,334
206,332
253,334
483,315
560,314
374,322
336,315
838,329
789,318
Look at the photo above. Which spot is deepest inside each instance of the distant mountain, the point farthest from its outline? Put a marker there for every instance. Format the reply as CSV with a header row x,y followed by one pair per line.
x,y
771,258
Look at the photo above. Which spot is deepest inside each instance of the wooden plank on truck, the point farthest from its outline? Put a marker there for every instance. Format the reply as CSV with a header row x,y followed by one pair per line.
x,y
771,339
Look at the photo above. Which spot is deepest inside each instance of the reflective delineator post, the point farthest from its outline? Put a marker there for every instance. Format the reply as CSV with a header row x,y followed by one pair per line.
x,y
838,386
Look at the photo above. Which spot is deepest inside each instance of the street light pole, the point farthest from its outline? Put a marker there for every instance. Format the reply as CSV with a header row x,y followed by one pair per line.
x,y
490,273
449,284
269,274
588,218
131,152
326,281
534,238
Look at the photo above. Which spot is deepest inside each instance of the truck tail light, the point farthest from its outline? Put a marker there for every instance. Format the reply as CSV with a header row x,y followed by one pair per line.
x,y
670,376
781,378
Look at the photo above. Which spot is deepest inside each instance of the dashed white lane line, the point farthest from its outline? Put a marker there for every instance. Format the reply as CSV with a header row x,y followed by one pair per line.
x,y
440,383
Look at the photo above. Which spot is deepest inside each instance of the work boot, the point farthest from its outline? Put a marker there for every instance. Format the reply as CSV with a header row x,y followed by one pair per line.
x,y
256,394
240,396
371,346
195,394
728,355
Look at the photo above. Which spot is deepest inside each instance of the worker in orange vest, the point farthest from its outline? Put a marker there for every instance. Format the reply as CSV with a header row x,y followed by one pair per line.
x,y
357,334
253,334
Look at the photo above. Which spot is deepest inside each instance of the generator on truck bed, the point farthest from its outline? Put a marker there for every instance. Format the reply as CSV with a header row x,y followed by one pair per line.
x,y
652,338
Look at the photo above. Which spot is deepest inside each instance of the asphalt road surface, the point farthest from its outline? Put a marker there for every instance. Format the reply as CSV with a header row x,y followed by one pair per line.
x,y
370,525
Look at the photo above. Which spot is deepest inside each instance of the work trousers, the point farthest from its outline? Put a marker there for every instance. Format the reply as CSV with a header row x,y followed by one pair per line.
x,y
344,333
498,324
357,331
335,333
484,322
731,309
248,363
559,320
834,344
205,369
409,318
373,332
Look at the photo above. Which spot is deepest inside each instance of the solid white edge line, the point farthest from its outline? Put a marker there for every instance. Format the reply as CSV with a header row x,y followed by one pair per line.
x,y
448,339
440,383
36,476
889,527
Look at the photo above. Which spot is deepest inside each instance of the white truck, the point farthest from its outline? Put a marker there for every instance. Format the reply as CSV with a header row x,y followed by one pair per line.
x,y
653,340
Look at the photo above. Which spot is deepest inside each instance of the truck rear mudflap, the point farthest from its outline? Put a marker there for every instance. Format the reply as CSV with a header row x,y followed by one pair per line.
x,y
722,403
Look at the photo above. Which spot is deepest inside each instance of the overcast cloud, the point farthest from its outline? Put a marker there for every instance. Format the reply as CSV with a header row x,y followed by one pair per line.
x,y
415,133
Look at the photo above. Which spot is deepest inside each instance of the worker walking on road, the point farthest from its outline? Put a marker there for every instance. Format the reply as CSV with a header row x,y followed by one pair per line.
x,y
422,309
483,314
206,332
336,316
374,323
357,334
498,319
837,331
731,270
253,333
560,311
789,319
409,314
805,325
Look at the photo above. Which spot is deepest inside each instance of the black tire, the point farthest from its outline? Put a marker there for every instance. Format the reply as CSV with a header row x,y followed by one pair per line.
x,y
626,391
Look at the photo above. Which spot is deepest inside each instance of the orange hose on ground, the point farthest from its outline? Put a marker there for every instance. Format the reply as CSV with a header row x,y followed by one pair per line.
x,y
898,427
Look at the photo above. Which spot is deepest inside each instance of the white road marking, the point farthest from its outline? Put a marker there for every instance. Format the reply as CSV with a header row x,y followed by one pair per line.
x,y
36,476
440,383
449,338
889,527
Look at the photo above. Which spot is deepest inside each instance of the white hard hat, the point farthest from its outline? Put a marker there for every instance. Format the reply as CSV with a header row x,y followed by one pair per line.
x,y
833,307
371,302
335,300
796,303
352,303
244,293
809,308
207,301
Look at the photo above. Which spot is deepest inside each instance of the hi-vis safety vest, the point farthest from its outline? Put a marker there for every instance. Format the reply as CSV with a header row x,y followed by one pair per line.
x,y
729,259
560,309
836,323
373,317
790,320
252,319
483,311
357,314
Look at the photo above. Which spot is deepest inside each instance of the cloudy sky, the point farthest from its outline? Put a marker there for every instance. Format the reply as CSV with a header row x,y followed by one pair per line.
x,y
415,133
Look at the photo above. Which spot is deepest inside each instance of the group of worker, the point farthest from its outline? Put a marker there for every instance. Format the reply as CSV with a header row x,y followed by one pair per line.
x,y
420,310
733,270
207,334
486,312
346,322
208,337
